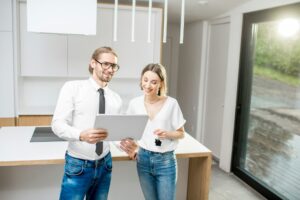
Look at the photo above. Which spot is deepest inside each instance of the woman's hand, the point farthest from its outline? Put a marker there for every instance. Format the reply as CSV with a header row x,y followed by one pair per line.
x,y
129,146
161,134
172,135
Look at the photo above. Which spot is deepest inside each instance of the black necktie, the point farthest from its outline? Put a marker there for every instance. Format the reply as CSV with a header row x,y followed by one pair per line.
x,y
99,145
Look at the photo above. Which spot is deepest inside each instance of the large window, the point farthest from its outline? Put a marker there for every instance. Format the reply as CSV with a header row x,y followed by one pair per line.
x,y
267,131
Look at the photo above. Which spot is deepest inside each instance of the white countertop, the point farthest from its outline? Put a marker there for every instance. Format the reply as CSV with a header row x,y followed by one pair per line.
x,y
16,148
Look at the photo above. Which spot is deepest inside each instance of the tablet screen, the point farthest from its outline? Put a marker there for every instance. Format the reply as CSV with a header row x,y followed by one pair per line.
x,y
122,126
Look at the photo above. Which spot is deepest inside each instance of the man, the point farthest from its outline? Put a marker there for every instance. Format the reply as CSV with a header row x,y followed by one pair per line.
x,y
88,162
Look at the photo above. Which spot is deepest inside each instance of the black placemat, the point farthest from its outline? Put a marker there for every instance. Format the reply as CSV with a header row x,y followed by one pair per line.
x,y
44,134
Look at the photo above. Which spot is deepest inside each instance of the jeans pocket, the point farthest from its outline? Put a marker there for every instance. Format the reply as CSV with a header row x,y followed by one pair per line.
x,y
167,160
73,169
108,165
142,157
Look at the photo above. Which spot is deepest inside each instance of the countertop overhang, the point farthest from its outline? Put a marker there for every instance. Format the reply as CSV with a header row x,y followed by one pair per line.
x,y
16,149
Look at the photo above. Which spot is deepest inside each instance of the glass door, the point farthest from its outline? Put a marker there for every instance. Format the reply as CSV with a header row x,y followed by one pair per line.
x,y
267,130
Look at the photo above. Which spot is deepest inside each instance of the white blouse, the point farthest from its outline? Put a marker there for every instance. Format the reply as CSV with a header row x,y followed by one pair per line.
x,y
169,118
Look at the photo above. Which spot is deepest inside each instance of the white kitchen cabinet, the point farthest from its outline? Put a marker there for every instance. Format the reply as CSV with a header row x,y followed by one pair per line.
x,y
6,75
80,47
58,55
7,90
5,15
135,55
41,54
49,60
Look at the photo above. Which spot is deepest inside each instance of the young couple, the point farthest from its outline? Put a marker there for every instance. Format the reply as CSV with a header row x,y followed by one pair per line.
x,y
88,162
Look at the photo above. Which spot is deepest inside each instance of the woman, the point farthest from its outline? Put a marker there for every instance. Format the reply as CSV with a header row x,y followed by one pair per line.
x,y
156,161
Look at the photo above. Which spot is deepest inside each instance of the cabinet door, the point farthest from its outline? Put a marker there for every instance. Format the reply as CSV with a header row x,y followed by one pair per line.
x,y
133,56
80,48
6,75
5,15
41,54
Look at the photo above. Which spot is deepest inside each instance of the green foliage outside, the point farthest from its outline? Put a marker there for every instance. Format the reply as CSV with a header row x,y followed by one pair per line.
x,y
277,57
275,75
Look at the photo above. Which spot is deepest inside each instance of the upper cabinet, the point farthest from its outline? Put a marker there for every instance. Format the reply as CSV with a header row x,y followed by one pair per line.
x,y
134,55
59,55
41,54
5,15
7,74
7,100
80,47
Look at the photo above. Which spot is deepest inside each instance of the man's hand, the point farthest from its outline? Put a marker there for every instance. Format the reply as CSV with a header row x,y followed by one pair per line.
x,y
93,136
129,146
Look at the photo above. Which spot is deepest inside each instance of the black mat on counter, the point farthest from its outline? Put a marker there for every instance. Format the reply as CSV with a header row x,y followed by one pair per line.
x,y
44,134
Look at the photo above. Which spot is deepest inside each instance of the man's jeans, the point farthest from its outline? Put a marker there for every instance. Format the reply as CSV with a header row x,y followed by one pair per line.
x,y
85,178
158,174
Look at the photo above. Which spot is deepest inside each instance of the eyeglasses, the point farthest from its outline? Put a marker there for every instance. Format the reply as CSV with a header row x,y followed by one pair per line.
x,y
106,65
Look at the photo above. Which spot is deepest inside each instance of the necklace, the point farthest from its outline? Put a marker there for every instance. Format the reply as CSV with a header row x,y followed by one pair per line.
x,y
153,101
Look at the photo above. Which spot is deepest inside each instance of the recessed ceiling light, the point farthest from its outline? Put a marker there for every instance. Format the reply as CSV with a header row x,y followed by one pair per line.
x,y
202,2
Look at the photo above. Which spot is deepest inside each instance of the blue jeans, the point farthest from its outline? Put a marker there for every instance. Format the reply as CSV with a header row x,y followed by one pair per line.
x,y
157,174
86,178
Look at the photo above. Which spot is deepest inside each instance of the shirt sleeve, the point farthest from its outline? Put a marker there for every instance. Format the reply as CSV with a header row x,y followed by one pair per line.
x,y
63,114
177,117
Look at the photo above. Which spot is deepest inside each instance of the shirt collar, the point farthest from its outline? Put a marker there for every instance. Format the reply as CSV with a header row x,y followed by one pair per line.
x,y
95,84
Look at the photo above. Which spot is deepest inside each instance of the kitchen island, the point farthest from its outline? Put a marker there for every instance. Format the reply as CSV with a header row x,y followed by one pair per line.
x,y
34,169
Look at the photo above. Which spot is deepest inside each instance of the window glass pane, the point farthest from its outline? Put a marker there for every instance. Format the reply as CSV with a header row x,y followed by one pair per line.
x,y
272,147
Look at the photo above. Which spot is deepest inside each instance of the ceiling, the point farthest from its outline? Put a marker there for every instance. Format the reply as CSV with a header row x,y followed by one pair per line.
x,y
194,9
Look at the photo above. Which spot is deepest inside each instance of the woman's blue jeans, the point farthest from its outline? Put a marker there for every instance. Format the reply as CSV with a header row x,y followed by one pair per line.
x,y
157,174
85,178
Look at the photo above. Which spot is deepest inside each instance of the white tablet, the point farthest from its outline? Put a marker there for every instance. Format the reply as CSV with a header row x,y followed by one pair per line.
x,y
122,126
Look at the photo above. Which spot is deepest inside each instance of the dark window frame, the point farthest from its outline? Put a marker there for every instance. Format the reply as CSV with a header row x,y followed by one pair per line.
x,y
244,90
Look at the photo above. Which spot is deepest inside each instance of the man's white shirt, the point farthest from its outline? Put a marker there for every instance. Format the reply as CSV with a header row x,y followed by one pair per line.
x,y
76,110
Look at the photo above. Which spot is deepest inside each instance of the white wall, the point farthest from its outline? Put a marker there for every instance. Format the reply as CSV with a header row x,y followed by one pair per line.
x,y
215,78
189,74
170,58
201,80
236,18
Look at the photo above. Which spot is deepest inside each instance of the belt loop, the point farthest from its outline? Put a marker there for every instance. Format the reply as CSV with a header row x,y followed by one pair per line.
x,y
85,163
105,157
96,163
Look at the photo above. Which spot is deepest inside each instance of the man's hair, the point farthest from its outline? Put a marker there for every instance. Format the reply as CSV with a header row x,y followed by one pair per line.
x,y
161,72
98,52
